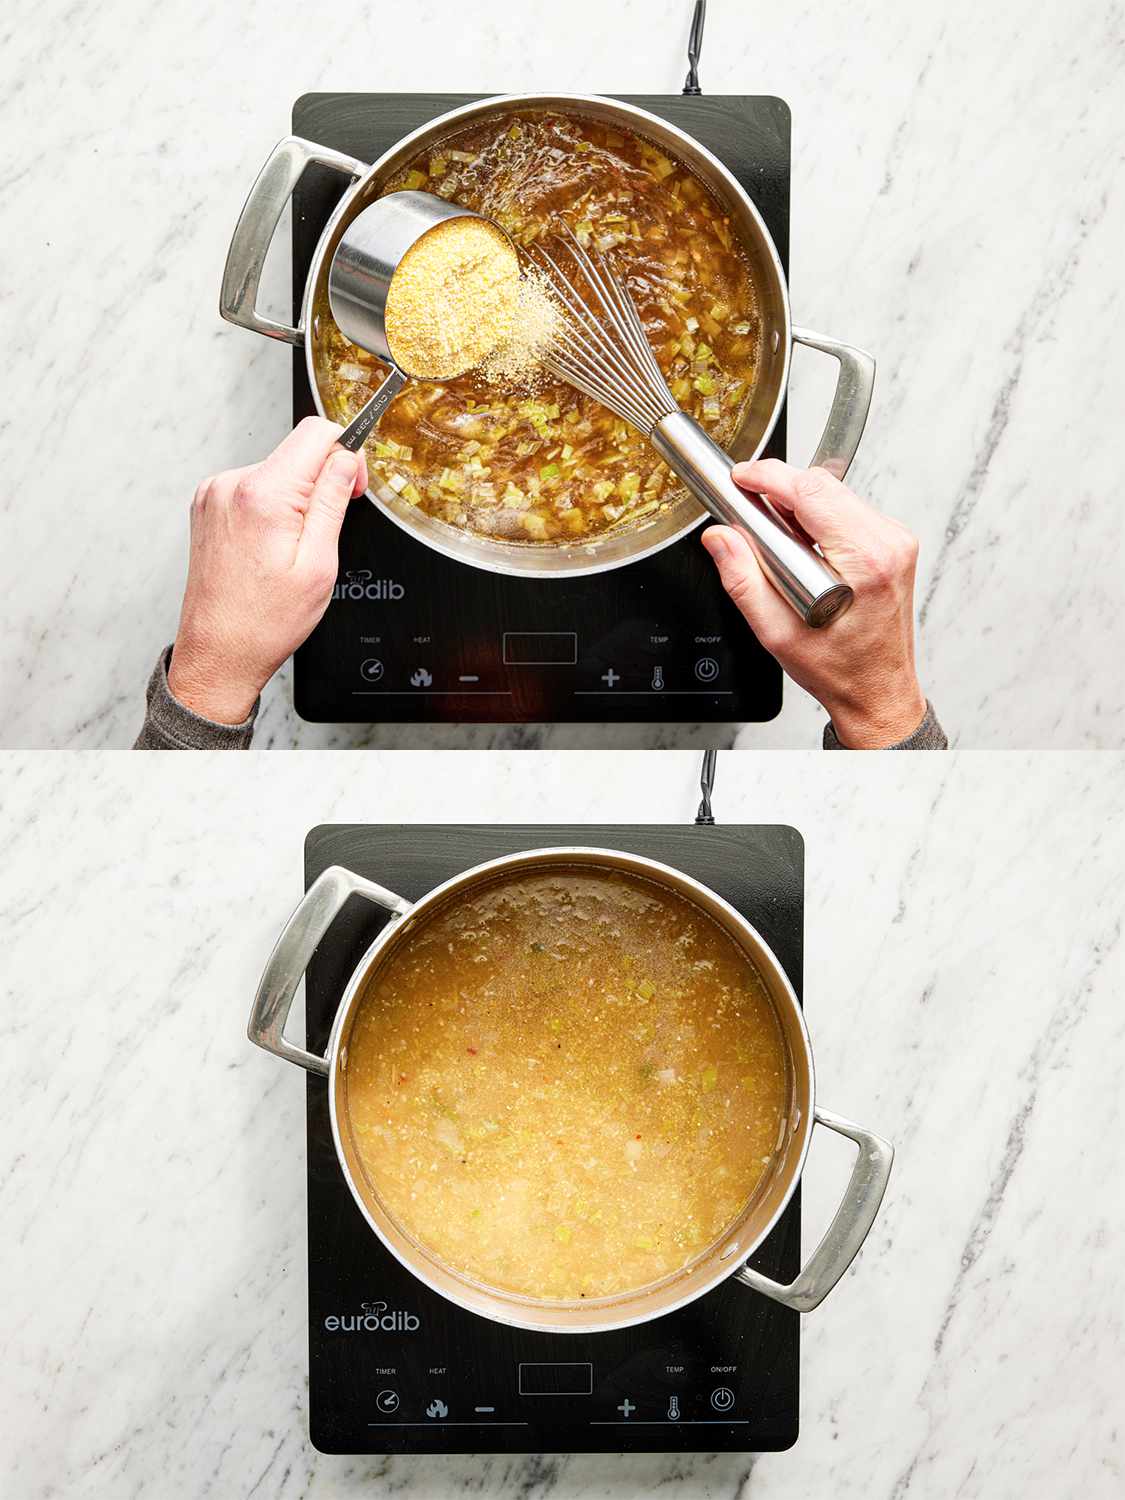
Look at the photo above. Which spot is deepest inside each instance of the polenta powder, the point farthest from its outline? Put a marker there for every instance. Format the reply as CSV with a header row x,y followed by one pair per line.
x,y
453,299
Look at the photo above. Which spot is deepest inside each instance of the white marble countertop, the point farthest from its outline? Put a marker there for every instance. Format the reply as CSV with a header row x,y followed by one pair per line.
x,y
951,211
963,986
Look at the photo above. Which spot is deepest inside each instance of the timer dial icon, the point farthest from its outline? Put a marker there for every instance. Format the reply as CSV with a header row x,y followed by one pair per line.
x,y
387,1402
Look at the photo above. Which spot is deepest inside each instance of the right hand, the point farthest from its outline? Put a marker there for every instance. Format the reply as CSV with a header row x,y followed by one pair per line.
x,y
262,568
860,666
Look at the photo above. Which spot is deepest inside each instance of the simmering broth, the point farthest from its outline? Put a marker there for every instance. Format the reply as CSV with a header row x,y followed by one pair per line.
x,y
566,1084
552,465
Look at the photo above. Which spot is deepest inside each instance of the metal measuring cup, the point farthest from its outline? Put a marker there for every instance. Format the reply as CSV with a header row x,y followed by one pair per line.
x,y
359,279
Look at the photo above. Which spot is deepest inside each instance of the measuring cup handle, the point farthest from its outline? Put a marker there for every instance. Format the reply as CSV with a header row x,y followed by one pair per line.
x,y
257,224
355,433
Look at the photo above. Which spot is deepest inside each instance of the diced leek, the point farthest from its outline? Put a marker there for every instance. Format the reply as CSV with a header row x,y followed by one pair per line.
x,y
349,370
703,351
662,167
681,388
719,311
567,450
646,990
687,344
740,328
397,482
573,520
691,324
535,526
583,146
514,132
629,485
438,165
712,409
613,218
412,493
549,471
465,156
414,179
704,384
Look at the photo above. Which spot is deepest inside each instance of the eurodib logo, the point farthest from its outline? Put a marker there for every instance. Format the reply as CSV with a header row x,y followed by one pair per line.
x,y
373,1317
361,583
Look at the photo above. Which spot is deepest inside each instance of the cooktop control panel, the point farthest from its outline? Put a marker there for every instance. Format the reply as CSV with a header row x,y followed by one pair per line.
x,y
396,1368
413,636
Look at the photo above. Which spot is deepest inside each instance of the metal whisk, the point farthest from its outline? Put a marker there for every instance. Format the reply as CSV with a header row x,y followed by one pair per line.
x,y
601,348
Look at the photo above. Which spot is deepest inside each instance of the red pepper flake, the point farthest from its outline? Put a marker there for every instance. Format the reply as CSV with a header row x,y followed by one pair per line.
x,y
636,1137
402,1078
472,1051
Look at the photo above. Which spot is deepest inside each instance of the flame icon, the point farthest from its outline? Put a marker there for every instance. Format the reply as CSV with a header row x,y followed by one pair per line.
x,y
437,1409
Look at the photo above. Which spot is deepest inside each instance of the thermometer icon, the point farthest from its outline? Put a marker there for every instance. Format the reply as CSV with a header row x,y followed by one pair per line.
x,y
658,679
674,1409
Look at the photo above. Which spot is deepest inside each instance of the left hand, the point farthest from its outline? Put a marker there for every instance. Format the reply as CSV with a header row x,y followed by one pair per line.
x,y
262,568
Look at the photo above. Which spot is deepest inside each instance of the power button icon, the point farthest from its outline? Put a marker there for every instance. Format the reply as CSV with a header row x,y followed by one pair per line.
x,y
722,1399
707,669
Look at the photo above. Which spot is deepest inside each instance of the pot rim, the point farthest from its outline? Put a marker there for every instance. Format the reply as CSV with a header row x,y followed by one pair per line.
x,y
499,563
727,1263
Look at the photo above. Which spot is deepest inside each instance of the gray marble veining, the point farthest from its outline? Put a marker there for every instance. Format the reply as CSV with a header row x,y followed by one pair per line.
x,y
953,210
963,978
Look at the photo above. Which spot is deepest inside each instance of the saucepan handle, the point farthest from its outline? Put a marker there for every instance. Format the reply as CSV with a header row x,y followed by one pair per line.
x,y
257,224
850,404
321,904
848,1229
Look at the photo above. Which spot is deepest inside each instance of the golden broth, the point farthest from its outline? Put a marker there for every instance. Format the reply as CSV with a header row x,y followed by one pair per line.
x,y
553,465
568,1084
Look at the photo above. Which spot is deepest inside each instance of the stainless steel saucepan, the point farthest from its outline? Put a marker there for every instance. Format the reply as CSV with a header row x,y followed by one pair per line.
x,y
274,187
727,1256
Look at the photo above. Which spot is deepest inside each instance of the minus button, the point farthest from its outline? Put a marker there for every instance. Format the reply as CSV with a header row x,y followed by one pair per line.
x,y
484,1408
464,678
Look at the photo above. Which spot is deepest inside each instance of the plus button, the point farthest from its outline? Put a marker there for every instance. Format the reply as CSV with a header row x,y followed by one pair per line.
x,y
626,1408
611,678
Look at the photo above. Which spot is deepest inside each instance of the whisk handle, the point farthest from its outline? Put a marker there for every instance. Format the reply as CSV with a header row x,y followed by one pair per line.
x,y
801,576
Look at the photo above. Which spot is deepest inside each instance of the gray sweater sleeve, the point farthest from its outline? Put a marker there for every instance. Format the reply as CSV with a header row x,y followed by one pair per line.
x,y
928,736
169,725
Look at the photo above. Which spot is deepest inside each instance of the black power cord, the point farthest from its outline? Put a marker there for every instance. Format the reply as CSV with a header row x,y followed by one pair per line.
x,y
706,786
694,47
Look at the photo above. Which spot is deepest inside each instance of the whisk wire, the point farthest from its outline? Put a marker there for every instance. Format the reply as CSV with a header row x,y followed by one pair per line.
x,y
608,357
602,276
584,351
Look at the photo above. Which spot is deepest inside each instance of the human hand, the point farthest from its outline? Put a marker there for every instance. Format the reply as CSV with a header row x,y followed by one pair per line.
x,y
861,666
262,567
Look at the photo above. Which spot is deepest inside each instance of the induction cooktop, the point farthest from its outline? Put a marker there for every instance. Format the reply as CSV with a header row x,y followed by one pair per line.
x,y
411,636
393,1366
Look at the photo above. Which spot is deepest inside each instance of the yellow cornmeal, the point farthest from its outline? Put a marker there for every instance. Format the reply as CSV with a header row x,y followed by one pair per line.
x,y
452,299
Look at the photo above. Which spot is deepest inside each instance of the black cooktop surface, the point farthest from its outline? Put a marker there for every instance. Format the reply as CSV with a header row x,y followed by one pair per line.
x,y
411,636
393,1367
